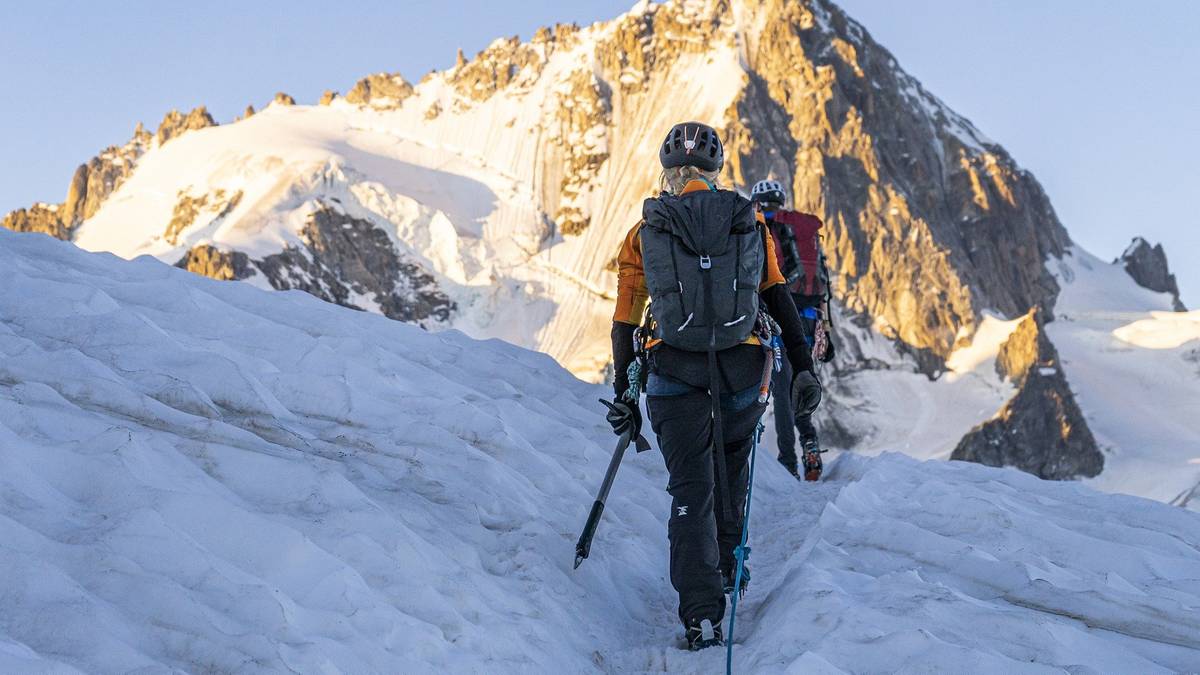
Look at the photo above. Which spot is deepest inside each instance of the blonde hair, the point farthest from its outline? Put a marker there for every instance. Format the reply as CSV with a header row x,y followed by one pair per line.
x,y
673,179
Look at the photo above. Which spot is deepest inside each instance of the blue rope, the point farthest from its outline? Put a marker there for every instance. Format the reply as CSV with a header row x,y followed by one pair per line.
x,y
741,553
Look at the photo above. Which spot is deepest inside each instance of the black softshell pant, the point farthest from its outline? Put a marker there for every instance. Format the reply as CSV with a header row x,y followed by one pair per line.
x,y
702,540
785,425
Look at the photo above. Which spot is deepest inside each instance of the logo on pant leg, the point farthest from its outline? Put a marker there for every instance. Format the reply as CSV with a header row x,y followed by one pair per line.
x,y
682,510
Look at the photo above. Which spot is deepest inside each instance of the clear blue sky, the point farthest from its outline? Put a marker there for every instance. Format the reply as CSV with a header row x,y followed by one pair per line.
x,y
1099,98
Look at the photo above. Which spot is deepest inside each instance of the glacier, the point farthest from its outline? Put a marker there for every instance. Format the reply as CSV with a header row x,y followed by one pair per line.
x,y
204,476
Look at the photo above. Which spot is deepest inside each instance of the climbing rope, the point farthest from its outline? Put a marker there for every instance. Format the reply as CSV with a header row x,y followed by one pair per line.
x,y
740,554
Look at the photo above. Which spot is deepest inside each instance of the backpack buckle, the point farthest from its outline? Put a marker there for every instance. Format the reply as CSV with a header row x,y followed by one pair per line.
x,y
705,262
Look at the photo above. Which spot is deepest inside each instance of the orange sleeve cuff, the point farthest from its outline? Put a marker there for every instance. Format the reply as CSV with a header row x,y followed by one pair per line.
x,y
632,295
771,272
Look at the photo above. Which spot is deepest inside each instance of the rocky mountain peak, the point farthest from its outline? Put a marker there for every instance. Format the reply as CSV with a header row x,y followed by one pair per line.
x,y
96,179
381,90
1148,266
651,36
175,123
43,218
506,61
928,222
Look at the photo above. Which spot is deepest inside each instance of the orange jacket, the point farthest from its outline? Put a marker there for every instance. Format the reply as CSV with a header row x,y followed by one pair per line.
x,y
632,295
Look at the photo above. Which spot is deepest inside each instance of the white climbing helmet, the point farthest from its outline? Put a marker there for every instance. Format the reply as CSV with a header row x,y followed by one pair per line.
x,y
768,191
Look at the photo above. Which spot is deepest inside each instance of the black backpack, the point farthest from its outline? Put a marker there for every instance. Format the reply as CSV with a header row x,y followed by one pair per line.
x,y
793,265
702,254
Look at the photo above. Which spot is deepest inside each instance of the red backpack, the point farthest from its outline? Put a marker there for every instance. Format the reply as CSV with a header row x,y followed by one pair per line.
x,y
802,263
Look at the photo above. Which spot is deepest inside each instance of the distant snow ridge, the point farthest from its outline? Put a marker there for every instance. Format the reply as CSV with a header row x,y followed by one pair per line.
x,y
201,476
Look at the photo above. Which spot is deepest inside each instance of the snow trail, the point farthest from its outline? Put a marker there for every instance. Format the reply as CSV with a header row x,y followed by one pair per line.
x,y
783,513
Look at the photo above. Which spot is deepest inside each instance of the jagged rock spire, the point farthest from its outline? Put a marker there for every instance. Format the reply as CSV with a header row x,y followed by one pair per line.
x,y
1148,266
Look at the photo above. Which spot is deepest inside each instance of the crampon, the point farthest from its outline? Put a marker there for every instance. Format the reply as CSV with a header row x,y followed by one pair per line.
x,y
811,459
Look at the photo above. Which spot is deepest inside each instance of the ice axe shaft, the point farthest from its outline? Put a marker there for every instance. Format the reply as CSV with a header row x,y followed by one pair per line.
x,y
584,546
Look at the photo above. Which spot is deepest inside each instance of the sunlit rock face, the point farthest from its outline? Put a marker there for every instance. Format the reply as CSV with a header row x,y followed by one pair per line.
x,y
382,90
929,222
209,261
1041,430
43,218
176,124
341,259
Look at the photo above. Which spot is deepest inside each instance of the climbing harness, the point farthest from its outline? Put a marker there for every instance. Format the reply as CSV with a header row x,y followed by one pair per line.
x,y
768,333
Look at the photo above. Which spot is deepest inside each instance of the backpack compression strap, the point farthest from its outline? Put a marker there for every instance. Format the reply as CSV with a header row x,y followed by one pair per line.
x,y
714,393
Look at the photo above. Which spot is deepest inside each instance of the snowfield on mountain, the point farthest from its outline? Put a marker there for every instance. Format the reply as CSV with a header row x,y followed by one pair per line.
x,y
203,476
456,197
1135,366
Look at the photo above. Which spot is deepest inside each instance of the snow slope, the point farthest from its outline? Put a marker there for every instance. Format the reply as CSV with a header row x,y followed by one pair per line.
x,y
200,475
1134,366
207,476
879,398
466,192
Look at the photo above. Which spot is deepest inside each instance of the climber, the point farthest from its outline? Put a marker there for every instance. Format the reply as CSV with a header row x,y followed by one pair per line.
x,y
799,255
701,260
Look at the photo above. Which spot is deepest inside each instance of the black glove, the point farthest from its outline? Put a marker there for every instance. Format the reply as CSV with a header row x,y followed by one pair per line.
x,y
624,416
622,348
806,394
828,355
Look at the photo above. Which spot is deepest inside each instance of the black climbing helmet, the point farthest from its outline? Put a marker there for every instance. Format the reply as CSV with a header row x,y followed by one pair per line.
x,y
692,144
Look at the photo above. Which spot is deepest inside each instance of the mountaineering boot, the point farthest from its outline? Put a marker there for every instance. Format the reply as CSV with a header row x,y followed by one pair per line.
x,y
703,634
729,577
812,458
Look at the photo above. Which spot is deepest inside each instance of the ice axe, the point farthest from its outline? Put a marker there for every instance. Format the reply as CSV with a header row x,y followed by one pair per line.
x,y
584,546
